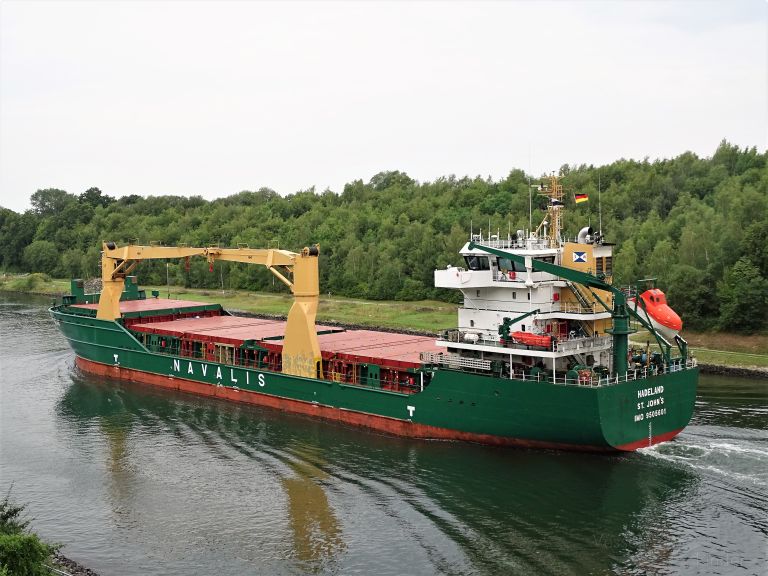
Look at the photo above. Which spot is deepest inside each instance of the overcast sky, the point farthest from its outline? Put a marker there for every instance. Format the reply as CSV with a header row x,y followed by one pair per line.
x,y
212,98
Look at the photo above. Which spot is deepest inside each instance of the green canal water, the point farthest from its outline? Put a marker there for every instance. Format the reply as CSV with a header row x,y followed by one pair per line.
x,y
135,481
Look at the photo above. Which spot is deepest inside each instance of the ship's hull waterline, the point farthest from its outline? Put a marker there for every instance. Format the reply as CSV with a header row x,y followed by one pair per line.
x,y
454,406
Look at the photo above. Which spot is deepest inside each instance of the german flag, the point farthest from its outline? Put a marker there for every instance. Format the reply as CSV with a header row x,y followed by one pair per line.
x,y
580,198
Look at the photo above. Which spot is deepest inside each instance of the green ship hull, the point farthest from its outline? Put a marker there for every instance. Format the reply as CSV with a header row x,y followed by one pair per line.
x,y
616,414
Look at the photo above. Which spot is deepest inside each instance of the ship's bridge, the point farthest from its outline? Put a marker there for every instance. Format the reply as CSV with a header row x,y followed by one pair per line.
x,y
462,279
484,271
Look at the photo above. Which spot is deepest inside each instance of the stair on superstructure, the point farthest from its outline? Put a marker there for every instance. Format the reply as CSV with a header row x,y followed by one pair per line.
x,y
587,328
583,301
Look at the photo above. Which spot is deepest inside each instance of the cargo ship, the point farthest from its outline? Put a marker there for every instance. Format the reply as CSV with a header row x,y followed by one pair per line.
x,y
540,356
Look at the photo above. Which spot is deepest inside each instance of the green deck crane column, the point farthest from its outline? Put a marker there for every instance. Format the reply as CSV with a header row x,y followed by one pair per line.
x,y
619,314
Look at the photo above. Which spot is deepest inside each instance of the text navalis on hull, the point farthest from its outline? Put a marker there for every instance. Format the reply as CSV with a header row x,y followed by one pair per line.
x,y
540,357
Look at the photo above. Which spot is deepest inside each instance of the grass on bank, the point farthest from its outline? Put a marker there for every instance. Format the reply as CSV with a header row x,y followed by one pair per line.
x,y
36,283
709,347
719,348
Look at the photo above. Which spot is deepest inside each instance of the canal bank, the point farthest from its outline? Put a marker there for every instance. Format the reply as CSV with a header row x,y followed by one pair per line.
x,y
737,371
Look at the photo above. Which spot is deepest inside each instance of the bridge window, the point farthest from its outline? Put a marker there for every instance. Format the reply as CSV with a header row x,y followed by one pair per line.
x,y
507,264
477,262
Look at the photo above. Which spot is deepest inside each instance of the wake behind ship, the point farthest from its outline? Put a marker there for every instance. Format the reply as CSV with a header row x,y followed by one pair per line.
x,y
540,356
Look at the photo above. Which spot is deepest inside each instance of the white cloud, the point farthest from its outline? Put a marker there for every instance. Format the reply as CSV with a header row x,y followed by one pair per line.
x,y
212,98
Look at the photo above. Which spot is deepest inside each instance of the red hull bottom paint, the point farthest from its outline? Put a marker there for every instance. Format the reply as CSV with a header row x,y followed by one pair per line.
x,y
644,443
385,424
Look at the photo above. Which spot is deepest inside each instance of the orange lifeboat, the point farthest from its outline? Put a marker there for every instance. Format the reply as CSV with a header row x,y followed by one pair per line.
x,y
662,317
531,339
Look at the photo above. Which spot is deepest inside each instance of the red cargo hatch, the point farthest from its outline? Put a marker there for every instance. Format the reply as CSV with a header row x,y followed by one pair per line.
x,y
377,347
366,346
148,305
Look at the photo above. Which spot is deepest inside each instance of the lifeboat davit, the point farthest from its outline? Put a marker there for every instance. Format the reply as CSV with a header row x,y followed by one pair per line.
x,y
662,317
531,339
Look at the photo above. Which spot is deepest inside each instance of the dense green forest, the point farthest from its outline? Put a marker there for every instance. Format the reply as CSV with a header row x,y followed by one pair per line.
x,y
700,225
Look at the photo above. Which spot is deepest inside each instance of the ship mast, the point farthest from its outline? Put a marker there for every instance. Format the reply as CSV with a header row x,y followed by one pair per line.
x,y
554,216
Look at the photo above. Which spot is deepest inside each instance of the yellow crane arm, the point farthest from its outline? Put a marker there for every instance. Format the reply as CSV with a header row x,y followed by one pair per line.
x,y
301,351
269,258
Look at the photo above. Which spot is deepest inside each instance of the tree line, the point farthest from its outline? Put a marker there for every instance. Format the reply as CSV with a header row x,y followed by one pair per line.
x,y
699,225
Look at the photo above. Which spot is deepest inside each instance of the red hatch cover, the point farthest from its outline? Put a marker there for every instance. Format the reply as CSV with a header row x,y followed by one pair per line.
x,y
383,348
147,305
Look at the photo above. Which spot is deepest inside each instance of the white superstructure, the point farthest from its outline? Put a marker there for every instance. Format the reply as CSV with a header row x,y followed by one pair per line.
x,y
522,319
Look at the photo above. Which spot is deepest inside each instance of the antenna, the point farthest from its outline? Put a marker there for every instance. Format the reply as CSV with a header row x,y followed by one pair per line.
x,y
530,205
599,206
530,199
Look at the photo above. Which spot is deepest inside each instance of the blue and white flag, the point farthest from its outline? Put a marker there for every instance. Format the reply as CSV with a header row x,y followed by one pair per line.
x,y
580,257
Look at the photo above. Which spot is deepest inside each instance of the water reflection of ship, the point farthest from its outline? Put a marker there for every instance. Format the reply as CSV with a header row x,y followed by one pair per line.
x,y
106,408
497,506
316,532
317,535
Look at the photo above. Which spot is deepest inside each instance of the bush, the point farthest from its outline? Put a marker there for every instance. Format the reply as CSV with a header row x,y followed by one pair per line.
x,y
41,256
24,554
412,290
29,282
21,553
743,294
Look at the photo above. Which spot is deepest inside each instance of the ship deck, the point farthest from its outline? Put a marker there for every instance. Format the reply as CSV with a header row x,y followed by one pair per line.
x,y
383,348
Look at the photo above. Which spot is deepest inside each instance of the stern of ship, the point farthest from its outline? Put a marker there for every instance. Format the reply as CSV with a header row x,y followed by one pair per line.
x,y
646,411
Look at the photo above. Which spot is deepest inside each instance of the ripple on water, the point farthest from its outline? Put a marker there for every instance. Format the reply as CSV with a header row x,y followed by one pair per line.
x,y
738,453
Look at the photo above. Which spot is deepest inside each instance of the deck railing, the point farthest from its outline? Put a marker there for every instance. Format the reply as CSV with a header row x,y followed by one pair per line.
x,y
585,344
630,375
457,362
589,379
576,344
403,386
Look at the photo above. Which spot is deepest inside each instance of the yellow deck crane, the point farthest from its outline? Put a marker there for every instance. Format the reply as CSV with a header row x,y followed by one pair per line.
x,y
301,352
